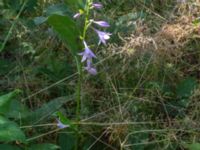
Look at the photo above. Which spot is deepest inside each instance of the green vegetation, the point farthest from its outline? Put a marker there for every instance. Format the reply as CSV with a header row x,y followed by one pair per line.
x,y
145,96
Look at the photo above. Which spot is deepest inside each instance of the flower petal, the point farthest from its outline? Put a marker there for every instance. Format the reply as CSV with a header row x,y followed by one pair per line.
x,y
102,23
61,125
97,5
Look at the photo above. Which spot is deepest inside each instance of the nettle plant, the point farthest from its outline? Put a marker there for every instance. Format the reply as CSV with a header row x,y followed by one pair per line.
x,y
74,31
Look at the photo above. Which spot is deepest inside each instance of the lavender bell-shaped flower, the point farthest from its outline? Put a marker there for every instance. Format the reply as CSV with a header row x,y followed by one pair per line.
x,y
97,5
103,36
87,53
77,15
90,69
102,23
61,125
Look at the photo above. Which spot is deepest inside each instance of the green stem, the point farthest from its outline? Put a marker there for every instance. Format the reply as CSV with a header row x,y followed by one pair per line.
x,y
79,64
78,100
79,68
78,90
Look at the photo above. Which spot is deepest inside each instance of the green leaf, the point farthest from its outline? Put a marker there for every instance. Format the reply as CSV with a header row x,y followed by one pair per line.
x,y
5,101
10,131
67,141
46,110
59,9
39,20
45,146
17,110
193,146
67,30
186,87
196,21
8,147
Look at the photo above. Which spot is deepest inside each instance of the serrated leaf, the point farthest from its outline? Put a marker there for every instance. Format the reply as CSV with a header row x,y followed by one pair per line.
x,y
5,101
67,30
45,146
10,131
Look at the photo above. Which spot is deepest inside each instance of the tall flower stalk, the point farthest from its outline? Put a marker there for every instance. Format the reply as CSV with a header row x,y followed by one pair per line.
x,y
87,54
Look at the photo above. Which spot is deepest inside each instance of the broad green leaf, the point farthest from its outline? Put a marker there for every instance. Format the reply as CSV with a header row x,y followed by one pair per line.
x,y
67,30
67,141
88,141
59,9
186,87
46,110
5,101
10,131
45,146
8,147
17,110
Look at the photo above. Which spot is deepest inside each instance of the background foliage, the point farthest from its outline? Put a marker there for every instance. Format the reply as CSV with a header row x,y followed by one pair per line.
x,y
145,96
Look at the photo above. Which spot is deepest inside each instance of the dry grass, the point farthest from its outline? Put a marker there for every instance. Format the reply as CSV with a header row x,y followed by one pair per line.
x,y
170,40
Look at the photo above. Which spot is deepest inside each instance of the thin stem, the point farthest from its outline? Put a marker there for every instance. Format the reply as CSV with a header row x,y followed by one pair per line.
x,y
12,26
78,99
78,90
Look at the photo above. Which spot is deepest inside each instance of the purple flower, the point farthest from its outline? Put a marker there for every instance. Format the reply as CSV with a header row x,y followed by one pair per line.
x,y
103,36
97,5
181,1
90,69
102,23
87,54
61,125
77,15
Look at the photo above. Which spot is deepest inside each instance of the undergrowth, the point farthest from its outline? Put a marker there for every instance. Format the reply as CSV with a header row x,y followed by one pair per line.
x,y
146,95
